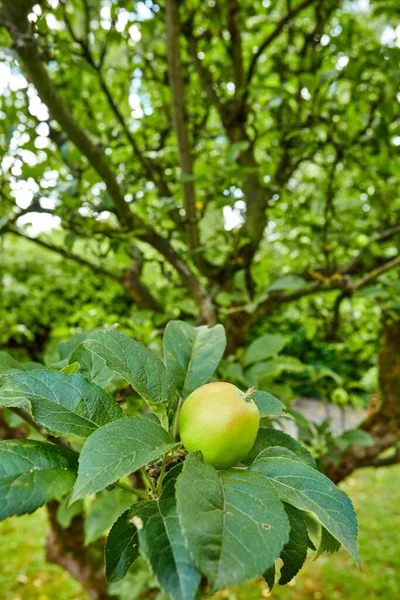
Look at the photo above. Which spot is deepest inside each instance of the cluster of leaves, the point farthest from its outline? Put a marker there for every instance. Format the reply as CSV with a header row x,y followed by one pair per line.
x,y
190,521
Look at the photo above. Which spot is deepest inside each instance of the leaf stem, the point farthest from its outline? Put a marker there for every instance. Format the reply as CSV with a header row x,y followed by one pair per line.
x,y
175,432
161,475
148,481
133,491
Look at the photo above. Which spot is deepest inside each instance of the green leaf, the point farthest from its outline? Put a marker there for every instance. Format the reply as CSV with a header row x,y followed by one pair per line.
x,y
122,548
70,369
354,437
235,150
118,449
307,489
104,511
263,347
294,552
268,405
269,577
67,347
33,473
91,366
192,354
162,542
290,282
327,543
8,364
62,403
268,437
66,512
233,522
139,367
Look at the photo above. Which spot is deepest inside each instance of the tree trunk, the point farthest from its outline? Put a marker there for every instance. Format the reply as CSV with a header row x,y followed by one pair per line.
x,y
236,327
383,425
66,548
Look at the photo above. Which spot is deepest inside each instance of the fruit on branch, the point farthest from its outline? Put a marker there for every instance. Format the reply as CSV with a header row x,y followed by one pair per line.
x,y
221,421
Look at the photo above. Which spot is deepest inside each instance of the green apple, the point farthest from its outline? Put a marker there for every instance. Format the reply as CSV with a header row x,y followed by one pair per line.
x,y
221,421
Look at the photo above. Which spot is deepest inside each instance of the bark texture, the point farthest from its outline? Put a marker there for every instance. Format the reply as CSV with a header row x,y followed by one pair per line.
x,y
66,548
384,424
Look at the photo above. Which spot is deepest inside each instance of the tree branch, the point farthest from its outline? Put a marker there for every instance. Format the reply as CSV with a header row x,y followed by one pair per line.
x,y
384,424
272,36
355,265
390,264
66,254
129,279
20,30
336,282
151,169
179,113
236,43
26,46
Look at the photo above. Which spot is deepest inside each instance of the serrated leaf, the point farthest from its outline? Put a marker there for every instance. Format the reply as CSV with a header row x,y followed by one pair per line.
x,y
307,489
263,347
104,511
192,354
67,347
294,552
268,405
91,366
162,542
62,403
8,364
269,577
139,367
122,548
233,522
33,473
327,543
118,449
268,437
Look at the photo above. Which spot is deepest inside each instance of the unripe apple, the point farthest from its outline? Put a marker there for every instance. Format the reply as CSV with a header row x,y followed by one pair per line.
x,y
221,421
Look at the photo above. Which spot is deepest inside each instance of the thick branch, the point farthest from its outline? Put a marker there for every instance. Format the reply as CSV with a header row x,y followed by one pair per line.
x,y
236,42
175,75
66,547
383,425
190,280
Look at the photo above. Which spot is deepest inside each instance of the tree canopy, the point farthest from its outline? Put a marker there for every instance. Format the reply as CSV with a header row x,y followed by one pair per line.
x,y
239,155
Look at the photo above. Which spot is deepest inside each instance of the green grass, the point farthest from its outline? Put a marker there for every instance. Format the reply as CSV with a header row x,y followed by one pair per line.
x,y
24,575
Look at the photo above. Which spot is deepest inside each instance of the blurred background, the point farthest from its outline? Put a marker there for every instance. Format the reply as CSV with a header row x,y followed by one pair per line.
x,y
218,161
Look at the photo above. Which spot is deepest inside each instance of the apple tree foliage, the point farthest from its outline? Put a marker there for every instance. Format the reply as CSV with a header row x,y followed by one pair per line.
x,y
214,160
193,524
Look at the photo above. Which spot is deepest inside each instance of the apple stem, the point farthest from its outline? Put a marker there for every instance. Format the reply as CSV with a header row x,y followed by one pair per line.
x,y
247,396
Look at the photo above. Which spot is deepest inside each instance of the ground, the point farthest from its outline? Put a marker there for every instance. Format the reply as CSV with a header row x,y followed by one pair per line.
x,y
376,495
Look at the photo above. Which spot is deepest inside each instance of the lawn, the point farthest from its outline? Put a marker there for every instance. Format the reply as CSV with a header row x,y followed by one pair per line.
x,y
376,495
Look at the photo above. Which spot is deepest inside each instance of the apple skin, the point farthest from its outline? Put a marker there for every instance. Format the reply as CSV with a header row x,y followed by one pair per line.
x,y
221,422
